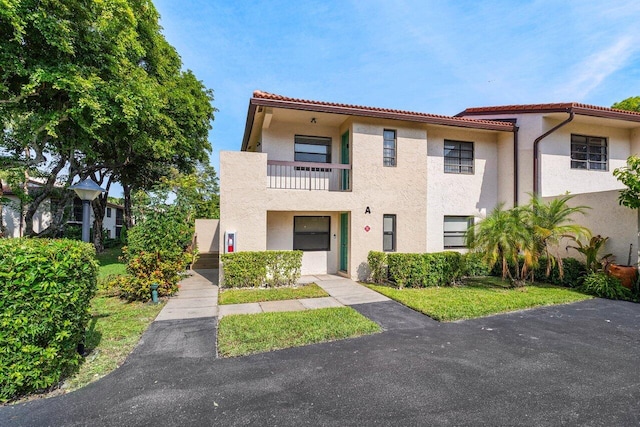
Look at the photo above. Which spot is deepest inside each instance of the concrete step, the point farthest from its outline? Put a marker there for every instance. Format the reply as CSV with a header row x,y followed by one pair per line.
x,y
206,261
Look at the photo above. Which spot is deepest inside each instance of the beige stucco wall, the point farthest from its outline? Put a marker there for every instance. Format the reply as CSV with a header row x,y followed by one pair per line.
x,y
208,235
556,175
608,219
460,194
416,190
280,237
243,199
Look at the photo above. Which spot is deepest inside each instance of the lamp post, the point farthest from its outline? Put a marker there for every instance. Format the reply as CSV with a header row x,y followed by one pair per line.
x,y
87,190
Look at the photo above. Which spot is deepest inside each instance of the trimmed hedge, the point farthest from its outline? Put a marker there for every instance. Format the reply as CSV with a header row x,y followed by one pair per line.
x,y
420,270
378,266
263,268
46,287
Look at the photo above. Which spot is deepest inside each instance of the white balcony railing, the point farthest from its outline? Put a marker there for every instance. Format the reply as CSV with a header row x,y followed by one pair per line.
x,y
308,176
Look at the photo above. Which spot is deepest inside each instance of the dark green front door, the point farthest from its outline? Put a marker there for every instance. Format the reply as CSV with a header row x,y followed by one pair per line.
x,y
344,159
344,241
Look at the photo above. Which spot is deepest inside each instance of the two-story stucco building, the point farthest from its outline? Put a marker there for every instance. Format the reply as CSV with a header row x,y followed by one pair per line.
x,y
338,181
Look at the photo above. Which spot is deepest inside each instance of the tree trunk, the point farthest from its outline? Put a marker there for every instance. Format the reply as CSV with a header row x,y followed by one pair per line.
x,y
99,206
128,216
3,229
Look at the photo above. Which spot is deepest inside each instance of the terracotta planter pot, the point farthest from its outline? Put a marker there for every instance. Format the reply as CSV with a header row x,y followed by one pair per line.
x,y
626,273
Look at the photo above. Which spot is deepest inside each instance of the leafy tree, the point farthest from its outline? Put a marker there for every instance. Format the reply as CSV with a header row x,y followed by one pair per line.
x,y
629,104
530,232
550,222
197,190
94,88
630,196
501,237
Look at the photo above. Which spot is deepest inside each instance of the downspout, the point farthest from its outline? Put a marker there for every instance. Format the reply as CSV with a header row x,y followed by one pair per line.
x,y
536,189
515,165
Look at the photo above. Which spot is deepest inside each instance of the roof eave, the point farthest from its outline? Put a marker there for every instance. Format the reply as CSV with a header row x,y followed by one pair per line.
x,y
334,109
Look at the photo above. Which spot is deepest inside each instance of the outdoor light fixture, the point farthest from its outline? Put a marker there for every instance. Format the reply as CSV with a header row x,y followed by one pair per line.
x,y
87,190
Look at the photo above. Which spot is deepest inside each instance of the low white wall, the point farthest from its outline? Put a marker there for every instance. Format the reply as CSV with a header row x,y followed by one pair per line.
x,y
208,235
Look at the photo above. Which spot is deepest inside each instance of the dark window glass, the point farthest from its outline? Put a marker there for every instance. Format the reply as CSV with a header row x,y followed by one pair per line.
x,y
389,150
458,157
455,231
589,153
108,212
389,233
314,149
311,233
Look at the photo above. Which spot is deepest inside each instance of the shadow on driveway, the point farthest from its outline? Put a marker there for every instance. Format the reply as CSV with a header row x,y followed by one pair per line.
x,y
574,364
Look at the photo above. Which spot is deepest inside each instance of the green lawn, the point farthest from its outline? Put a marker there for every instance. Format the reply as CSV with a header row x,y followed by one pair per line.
x,y
113,331
240,296
243,334
478,297
109,262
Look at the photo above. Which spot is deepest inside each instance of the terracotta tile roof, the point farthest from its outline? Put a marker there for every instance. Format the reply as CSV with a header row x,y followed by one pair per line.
x,y
263,98
578,108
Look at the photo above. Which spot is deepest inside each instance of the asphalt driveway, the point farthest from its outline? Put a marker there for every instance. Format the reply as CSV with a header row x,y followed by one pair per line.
x,y
576,364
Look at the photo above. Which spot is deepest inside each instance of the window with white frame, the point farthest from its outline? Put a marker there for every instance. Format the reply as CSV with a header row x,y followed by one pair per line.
x,y
108,212
389,150
455,231
312,233
458,157
589,152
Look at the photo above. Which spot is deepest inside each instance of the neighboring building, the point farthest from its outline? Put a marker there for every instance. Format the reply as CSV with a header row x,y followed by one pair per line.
x,y
338,181
11,218
112,222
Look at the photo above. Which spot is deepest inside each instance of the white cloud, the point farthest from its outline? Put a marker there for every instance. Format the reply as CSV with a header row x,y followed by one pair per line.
x,y
593,70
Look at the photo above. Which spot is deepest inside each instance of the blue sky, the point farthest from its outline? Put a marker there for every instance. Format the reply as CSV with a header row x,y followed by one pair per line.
x,y
430,56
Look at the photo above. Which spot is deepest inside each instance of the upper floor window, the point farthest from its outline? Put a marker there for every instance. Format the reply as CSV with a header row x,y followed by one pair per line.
x,y
316,149
455,231
588,152
108,212
389,151
458,157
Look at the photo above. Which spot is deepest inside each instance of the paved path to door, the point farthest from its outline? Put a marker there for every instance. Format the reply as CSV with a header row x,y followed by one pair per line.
x,y
198,297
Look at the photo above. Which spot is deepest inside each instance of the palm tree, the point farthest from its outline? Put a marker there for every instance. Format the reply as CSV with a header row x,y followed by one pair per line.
x,y
502,236
550,222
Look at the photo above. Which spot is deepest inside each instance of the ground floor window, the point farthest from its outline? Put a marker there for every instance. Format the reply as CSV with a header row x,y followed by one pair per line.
x,y
455,231
312,233
389,233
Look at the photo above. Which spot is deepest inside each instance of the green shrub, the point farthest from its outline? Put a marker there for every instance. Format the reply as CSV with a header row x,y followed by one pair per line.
x,y
157,252
408,270
45,290
419,270
574,272
604,286
473,265
263,268
378,266
443,268
283,268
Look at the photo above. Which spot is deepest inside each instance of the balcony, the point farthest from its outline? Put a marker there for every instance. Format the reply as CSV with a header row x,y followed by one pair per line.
x,y
308,176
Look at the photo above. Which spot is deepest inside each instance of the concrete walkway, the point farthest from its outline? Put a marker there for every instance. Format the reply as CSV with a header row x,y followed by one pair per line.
x,y
198,297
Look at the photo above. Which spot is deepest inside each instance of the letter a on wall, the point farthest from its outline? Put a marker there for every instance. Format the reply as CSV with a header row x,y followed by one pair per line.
x,y
367,210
